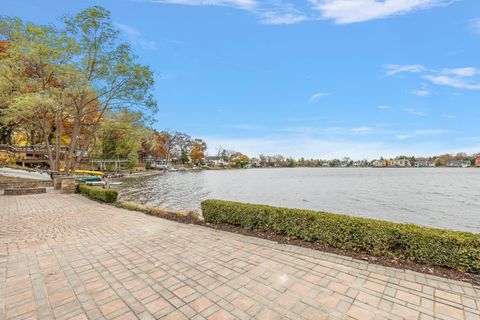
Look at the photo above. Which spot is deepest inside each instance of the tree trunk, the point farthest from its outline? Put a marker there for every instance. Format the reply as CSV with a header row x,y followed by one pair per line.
x,y
47,142
58,146
72,146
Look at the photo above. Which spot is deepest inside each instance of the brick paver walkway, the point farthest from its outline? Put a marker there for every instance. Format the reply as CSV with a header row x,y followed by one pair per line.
x,y
66,257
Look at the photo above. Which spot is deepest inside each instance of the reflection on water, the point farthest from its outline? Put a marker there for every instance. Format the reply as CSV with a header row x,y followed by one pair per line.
x,y
445,198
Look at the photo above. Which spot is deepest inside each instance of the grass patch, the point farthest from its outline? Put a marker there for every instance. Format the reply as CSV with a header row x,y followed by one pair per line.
x,y
451,249
190,216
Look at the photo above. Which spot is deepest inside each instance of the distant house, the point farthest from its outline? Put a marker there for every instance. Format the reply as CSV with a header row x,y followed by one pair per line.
x,y
215,161
477,161
458,163
379,163
424,163
155,162
402,163
360,163
254,162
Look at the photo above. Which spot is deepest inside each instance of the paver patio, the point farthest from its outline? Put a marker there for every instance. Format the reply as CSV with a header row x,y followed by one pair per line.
x,y
66,257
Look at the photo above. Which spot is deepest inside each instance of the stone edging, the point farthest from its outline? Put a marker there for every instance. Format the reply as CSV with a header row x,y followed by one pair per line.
x,y
23,191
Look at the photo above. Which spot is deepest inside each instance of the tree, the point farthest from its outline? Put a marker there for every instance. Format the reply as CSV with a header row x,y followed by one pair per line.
x,y
183,145
225,154
165,144
108,76
121,135
83,72
198,151
239,160
33,73
291,162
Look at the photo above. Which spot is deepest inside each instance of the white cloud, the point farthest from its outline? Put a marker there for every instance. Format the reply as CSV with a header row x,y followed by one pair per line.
x,y
269,12
452,81
317,96
243,126
448,116
241,4
460,78
461,72
272,17
423,132
415,112
350,11
476,25
384,107
393,69
422,92
403,136
135,36
363,130
429,132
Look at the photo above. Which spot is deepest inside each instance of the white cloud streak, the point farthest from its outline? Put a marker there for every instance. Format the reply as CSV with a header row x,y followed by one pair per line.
x,y
424,132
351,11
422,92
240,4
134,36
272,17
459,78
340,11
415,112
317,96
393,69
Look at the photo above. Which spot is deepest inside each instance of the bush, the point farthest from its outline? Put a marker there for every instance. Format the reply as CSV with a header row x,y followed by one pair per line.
x,y
452,249
97,193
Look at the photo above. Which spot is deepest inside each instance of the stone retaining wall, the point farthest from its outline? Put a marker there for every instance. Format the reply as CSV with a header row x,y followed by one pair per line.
x,y
23,191
26,184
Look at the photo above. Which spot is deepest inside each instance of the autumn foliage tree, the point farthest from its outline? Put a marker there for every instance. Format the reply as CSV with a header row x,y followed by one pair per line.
x,y
77,75
198,151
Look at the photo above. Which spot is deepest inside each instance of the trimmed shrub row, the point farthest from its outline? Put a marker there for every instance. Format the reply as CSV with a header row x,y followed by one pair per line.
x,y
451,249
97,193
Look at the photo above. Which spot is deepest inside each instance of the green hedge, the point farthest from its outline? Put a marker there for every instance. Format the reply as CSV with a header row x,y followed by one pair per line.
x,y
452,249
97,193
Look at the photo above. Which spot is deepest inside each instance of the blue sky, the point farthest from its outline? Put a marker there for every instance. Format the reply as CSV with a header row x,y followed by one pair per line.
x,y
312,78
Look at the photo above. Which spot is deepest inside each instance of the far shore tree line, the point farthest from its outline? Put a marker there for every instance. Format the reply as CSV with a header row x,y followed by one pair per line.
x,y
230,159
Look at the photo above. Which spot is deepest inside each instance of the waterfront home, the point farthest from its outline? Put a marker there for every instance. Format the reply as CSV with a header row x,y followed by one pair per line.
x,y
402,163
458,163
254,162
215,161
346,162
360,163
379,163
424,163
155,162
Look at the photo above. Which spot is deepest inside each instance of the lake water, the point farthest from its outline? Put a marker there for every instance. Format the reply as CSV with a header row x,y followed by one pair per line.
x,y
438,197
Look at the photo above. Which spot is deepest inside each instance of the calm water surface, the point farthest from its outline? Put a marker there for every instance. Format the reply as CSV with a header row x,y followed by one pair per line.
x,y
445,198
